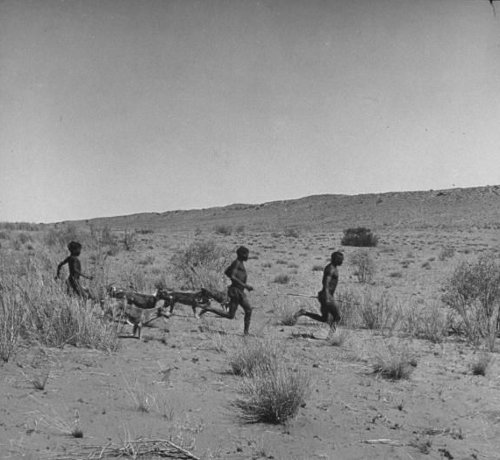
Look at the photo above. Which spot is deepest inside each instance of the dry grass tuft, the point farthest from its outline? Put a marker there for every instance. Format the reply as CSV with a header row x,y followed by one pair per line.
x,y
252,354
338,338
273,395
12,316
481,363
394,363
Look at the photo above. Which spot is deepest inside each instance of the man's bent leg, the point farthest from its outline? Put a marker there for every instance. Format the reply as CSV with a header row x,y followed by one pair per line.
x,y
230,314
247,308
323,318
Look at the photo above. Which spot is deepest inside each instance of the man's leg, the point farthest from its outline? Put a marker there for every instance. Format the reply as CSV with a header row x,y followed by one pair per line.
x,y
76,287
247,308
323,318
230,314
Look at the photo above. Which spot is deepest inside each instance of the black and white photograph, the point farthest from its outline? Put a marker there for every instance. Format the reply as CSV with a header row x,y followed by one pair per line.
x,y
250,229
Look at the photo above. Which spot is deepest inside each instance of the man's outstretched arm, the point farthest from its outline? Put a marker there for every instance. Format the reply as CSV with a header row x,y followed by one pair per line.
x,y
65,261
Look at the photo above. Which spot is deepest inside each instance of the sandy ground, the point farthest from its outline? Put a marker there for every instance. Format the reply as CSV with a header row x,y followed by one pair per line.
x,y
182,371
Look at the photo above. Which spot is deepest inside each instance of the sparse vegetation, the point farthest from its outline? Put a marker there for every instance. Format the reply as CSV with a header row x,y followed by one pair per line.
x,y
281,279
291,233
201,264
481,363
209,360
426,322
364,265
394,362
12,315
225,230
379,310
129,239
473,292
249,355
338,338
359,236
273,394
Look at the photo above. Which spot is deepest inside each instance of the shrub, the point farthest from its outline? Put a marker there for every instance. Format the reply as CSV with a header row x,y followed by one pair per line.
x,y
51,317
446,253
338,338
281,279
23,238
285,309
246,358
273,395
62,236
11,320
291,233
473,291
349,304
364,265
394,362
129,239
480,364
201,264
359,236
379,311
225,230
427,322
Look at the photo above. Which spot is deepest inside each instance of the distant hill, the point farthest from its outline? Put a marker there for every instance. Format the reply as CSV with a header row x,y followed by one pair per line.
x,y
452,208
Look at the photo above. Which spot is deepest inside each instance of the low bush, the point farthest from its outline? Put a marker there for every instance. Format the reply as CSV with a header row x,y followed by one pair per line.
x,y
284,309
359,236
446,253
62,235
426,322
378,310
46,313
11,320
225,230
481,363
273,395
473,291
281,279
129,239
349,305
364,265
394,362
249,355
291,233
201,264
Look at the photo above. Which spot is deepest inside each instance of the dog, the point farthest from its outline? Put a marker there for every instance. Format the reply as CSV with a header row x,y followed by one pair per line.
x,y
139,317
194,299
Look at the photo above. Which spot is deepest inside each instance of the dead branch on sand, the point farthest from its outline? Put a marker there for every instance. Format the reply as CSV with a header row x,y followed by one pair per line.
x,y
140,448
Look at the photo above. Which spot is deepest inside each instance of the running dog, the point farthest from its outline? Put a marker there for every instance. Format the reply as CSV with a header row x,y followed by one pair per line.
x,y
195,299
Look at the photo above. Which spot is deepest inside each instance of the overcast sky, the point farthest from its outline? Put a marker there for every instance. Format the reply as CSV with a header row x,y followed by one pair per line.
x,y
111,107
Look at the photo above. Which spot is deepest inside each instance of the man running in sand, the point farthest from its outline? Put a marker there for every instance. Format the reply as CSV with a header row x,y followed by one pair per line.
x,y
329,310
237,273
75,271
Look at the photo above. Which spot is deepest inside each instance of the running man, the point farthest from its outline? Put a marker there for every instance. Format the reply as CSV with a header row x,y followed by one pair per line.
x,y
237,273
75,271
329,310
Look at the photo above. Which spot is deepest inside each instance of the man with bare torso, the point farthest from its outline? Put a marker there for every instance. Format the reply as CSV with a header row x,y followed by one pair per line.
x,y
329,310
237,273
75,271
